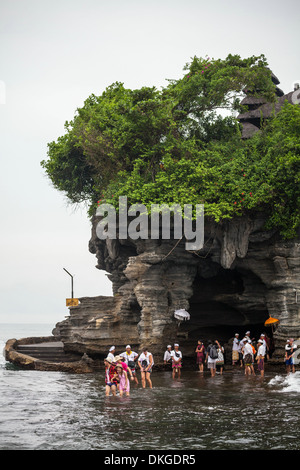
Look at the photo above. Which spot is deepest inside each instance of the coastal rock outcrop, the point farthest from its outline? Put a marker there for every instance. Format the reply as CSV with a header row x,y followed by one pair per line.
x,y
45,354
241,276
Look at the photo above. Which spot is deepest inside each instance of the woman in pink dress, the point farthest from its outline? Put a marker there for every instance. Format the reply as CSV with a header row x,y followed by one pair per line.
x,y
124,384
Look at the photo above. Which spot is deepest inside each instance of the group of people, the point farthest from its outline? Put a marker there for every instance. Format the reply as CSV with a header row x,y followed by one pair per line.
x,y
121,369
244,351
213,356
175,357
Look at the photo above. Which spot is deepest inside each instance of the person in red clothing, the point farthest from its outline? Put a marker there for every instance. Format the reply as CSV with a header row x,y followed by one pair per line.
x,y
110,377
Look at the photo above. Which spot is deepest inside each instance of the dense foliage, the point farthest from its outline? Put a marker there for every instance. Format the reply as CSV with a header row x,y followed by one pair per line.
x,y
172,146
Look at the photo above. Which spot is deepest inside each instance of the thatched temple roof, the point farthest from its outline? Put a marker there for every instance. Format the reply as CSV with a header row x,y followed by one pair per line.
x,y
249,130
258,109
266,110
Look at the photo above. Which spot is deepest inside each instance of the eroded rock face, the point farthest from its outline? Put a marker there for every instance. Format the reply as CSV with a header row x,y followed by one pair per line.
x,y
242,275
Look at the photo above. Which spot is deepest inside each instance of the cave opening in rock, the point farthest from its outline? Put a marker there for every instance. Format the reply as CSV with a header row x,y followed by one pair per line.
x,y
225,302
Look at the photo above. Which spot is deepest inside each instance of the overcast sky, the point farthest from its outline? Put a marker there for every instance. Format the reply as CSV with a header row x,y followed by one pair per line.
x,y
53,55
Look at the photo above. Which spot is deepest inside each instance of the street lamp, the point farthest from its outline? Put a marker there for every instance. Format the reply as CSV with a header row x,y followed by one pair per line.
x,y
71,302
72,293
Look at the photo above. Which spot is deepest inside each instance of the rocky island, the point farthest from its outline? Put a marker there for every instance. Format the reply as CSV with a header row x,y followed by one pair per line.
x,y
170,147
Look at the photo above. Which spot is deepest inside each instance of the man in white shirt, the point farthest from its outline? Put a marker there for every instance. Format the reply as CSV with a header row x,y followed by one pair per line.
x,y
236,349
146,362
263,341
130,357
260,357
176,361
265,344
247,335
290,349
247,356
111,354
167,355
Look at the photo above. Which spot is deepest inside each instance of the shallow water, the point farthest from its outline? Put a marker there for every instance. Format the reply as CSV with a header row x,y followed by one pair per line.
x,y
55,411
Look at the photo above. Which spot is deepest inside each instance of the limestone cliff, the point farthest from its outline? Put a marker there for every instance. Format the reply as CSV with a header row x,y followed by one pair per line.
x,y
242,275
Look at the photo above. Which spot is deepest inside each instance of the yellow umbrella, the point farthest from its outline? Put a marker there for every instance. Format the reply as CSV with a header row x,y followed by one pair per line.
x,y
271,321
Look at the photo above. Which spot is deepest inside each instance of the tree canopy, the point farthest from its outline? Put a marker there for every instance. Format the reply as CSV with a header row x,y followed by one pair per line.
x,y
173,146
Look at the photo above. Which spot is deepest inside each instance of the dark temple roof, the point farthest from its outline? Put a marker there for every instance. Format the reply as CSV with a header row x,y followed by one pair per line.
x,y
258,109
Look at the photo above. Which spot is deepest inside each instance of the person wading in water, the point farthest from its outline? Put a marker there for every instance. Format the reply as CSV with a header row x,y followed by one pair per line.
x,y
146,362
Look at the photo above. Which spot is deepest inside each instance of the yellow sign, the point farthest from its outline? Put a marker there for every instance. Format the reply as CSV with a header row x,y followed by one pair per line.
x,y
72,302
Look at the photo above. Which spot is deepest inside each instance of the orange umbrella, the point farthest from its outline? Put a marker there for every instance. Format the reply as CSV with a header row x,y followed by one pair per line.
x,y
271,321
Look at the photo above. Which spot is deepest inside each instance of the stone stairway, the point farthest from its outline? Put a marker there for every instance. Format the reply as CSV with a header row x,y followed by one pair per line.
x,y
49,352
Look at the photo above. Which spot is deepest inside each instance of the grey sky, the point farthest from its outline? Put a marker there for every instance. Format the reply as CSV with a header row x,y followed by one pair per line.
x,y
53,55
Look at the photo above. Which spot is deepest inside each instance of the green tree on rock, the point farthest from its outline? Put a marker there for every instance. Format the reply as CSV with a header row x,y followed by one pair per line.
x,y
173,146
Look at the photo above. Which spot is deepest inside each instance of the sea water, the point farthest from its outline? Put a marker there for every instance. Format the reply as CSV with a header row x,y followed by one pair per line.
x,y
63,411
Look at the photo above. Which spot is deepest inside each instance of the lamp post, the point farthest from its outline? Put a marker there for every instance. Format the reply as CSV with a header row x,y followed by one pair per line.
x,y
72,293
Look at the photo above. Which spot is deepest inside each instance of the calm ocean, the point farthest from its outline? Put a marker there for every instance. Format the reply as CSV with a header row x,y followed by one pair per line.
x,y
60,411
